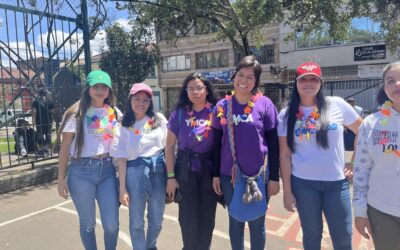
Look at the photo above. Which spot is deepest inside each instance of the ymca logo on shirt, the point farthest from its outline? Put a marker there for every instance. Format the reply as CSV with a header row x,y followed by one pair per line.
x,y
242,118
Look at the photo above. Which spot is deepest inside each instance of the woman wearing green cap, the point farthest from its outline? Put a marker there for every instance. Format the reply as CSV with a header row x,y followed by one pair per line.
x,y
88,129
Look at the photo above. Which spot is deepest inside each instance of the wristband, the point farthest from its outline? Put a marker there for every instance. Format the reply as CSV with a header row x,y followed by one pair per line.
x,y
171,175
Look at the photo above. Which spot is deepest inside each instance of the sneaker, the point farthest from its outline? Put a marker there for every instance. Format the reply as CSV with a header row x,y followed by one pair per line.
x,y
23,152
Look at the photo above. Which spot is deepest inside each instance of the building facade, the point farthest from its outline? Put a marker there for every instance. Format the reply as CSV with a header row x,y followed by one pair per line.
x,y
351,68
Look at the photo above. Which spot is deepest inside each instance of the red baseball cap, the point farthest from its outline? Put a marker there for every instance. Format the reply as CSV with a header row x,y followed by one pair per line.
x,y
308,68
138,87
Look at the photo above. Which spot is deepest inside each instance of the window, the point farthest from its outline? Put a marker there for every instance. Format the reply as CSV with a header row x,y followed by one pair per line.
x,y
361,30
174,63
264,54
212,59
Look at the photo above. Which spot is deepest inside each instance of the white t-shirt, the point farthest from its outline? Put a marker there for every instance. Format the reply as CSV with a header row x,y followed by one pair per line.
x,y
100,126
140,140
311,162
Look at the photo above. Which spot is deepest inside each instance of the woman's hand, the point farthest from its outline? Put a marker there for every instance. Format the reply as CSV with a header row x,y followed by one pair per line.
x,y
289,201
172,185
217,185
363,226
348,171
273,188
62,188
124,197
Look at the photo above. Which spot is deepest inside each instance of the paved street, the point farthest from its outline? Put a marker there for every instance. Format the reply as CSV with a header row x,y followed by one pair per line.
x,y
36,218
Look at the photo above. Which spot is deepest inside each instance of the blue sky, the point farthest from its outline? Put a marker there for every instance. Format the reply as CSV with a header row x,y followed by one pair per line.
x,y
14,37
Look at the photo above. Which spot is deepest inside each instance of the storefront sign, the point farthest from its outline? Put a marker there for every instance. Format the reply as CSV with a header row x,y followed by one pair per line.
x,y
218,77
373,52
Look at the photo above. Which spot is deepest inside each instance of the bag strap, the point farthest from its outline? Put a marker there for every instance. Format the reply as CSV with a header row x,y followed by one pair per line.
x,y
231,135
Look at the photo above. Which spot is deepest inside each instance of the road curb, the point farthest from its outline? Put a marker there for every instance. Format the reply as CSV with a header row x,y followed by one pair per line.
x,y
37,176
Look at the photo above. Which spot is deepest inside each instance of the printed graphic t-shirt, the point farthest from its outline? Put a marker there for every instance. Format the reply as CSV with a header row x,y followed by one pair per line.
x,y
99,127
140,140
312,162
251,146
193,132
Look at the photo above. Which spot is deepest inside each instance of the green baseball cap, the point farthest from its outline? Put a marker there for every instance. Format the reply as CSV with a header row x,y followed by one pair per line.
x,y
98,76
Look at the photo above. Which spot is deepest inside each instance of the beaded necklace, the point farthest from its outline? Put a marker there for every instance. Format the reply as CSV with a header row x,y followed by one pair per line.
x,y
146,128
200,133
247,110
306,125
104,123
386,112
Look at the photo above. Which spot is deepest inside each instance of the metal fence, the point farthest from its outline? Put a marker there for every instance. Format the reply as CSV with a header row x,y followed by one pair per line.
x,y
41,49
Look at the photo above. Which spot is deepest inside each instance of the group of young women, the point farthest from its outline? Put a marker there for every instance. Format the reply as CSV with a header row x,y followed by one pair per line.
x,y
231,152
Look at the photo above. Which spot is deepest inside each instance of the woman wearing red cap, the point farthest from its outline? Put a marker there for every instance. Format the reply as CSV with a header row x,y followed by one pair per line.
x,y
314,174
141,166
88,128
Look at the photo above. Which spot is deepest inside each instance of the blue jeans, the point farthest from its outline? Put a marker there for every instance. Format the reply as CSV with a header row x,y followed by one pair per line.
x,y
331,198
236,228
146,183
90,180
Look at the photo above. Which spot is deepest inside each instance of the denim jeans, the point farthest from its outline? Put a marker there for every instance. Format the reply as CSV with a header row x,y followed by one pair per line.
x,y
236,228
331,198
146,183
90,180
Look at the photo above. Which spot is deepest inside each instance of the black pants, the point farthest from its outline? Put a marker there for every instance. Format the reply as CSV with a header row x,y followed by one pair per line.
x,y
43,134
197,212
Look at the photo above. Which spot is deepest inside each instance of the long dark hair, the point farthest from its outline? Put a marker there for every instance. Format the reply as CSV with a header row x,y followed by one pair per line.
x,y
381,97
322,123
250,62
79,109
184,101
129,118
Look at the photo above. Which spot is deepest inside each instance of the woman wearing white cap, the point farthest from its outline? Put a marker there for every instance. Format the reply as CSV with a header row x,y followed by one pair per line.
x,y
314,173
88,128
141,166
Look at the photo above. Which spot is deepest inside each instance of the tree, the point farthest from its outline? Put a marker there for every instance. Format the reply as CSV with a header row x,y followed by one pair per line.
x,y
234,20
127,60
311,15
239,20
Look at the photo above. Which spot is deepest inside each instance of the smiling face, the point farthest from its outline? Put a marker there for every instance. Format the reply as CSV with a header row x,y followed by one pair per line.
x,y
392,84
244,81
308,86
99,92
140,103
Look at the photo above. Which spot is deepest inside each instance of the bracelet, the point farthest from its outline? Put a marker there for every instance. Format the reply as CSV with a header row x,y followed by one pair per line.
x,y
171,175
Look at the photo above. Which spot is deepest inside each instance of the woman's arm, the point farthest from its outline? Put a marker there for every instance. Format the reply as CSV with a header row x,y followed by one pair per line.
x,y
363,167
271,137
123,194
217,160
63,157
289,201
172,184
348,169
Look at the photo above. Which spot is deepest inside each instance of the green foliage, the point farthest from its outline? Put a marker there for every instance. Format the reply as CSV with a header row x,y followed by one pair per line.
x,y
128,60
233,20
312,15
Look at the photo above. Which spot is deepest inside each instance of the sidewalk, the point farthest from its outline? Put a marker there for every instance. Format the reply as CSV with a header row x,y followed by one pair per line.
x,y
24,176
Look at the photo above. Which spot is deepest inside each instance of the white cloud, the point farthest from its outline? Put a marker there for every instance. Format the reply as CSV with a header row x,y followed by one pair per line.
x,y
124,24
20,48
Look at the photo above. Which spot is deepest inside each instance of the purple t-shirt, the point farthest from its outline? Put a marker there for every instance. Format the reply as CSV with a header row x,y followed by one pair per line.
x,y
251,146
193,132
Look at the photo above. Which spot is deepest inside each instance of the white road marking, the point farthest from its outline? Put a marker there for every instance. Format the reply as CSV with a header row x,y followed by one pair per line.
x,y
121,235
34,213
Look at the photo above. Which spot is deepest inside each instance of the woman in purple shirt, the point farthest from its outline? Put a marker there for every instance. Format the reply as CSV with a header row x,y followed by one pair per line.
x,y
190,126
247,153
